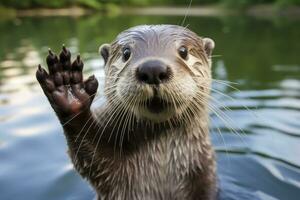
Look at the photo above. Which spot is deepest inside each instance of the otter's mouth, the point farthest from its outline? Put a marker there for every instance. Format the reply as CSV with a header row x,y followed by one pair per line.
x,y
157,105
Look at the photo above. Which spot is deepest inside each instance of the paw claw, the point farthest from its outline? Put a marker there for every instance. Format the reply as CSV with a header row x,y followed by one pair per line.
x,y
40,67
41,74
43,78
51,60
64,48
92,77
50,52
65,55
77,65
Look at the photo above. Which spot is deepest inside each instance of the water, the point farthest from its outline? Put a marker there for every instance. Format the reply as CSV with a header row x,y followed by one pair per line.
x,y
260,161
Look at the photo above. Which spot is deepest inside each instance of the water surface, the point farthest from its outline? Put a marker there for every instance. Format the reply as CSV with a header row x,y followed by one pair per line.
x,y
258,150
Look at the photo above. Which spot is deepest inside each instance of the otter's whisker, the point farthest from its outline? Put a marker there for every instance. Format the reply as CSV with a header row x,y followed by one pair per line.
x,y
187,114
99,138
226,120
87,121
86,132
186,13
104,128
127,123
231,98
122,120
83,138
224,142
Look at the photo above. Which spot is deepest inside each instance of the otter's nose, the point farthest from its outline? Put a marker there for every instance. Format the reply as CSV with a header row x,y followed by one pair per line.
x,y
153,72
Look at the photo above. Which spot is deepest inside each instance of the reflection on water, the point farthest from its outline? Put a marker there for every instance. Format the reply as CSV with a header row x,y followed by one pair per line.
x,y
258,150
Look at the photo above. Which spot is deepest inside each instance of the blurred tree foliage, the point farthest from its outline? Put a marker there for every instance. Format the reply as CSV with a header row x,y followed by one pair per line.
x,y
21,4
49,3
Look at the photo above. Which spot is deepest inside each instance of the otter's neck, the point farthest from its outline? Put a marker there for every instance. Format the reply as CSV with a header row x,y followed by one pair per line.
x,y
159,167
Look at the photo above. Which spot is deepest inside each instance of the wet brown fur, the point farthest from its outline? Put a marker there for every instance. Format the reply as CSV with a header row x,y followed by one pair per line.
x,y
126,154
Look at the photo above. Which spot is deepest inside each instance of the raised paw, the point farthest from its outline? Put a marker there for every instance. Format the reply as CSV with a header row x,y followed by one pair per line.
x,y
67,93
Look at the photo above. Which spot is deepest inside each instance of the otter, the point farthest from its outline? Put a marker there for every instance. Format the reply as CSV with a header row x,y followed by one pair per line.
x,y
150,138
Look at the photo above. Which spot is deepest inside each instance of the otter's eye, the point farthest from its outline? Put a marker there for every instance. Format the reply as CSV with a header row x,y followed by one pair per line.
x,y
126,53
183,52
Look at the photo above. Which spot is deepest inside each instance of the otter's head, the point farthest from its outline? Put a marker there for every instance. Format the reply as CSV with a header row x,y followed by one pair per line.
x,y
158,72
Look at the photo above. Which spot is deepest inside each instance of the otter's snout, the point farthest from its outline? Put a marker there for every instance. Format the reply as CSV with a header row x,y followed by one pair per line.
x,y
153,72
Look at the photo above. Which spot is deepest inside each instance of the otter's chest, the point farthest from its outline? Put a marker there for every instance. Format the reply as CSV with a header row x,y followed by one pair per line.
x,y
159,170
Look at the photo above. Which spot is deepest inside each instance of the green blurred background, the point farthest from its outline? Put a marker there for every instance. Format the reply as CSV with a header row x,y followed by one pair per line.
x,y
95,4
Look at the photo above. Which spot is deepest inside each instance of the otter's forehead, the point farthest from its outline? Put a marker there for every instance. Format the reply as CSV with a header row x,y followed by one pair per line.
x,y
156,34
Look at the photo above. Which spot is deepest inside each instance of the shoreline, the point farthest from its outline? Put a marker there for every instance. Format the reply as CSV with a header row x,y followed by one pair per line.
x,y
44,12
261,11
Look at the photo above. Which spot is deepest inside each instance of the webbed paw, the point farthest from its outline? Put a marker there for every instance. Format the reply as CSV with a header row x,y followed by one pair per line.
x,y
68,94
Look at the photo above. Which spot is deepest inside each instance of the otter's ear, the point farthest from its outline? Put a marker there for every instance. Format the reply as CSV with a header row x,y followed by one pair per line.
x,y
104,51
209,46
